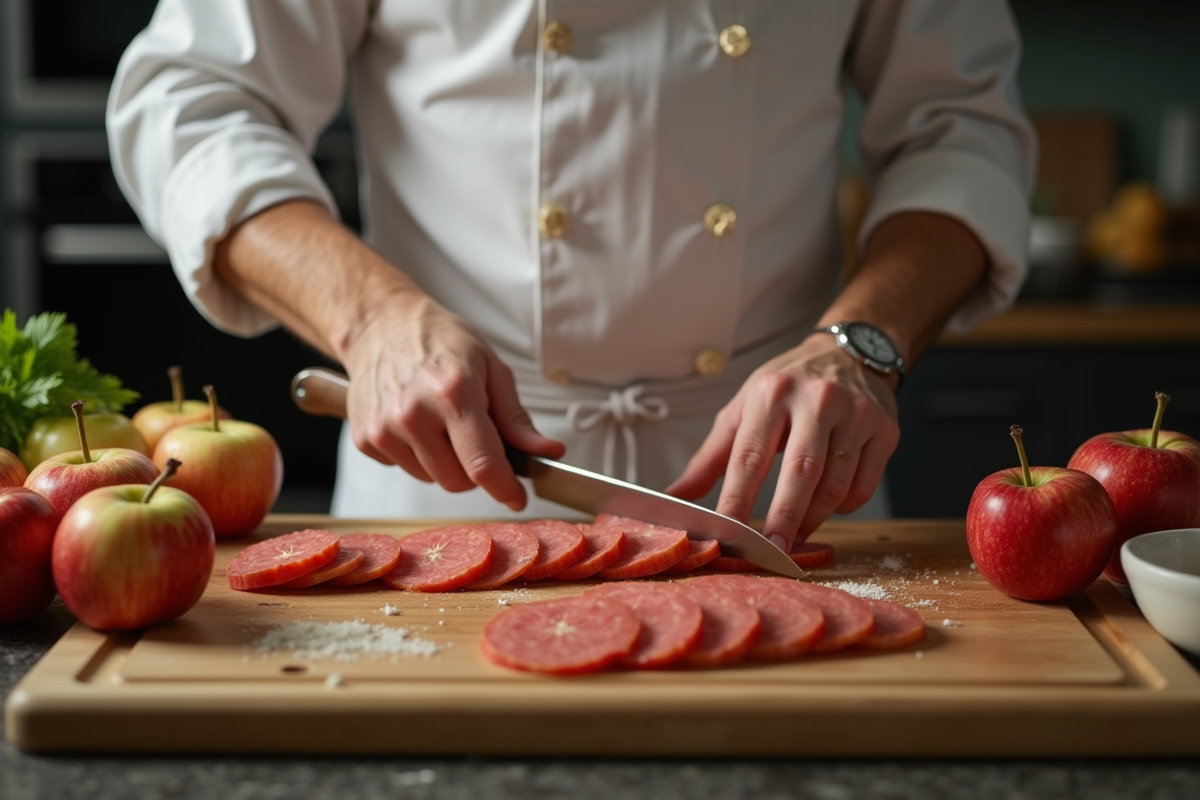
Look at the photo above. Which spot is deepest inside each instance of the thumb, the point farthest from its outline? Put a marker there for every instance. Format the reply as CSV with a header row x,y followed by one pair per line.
x,y
510,417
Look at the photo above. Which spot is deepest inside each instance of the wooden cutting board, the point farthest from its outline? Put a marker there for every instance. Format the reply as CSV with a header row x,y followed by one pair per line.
x,y
995,676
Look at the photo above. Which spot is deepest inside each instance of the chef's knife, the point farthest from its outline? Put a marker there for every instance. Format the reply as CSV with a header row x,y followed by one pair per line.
x,y
322,392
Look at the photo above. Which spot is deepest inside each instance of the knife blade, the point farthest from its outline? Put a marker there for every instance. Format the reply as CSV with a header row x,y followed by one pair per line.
x,y
322,392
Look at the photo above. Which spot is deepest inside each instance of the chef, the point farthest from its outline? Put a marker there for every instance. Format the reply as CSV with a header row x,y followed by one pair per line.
x,y
599,230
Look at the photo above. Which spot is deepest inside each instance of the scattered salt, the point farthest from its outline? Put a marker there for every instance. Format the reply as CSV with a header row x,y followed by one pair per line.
x,y
343,641
441,611
935,581
868,590
951,623
926,603
390,610
920,654
333,681
502,601
892,563
973,565
441,622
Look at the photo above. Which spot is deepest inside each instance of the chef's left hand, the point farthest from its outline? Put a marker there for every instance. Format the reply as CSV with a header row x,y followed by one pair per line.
x,y
835,422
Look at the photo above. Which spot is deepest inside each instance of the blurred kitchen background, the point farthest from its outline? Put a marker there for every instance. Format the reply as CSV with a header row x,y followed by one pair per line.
x,y
1110,313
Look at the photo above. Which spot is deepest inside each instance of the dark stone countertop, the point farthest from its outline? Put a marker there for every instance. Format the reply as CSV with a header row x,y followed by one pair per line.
x,y
24,776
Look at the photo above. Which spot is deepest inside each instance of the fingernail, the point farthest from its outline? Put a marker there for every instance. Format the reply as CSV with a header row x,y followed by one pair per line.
x,y
778,541
515,506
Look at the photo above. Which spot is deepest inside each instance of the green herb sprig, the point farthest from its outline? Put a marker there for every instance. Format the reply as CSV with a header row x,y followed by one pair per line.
x,y
40,376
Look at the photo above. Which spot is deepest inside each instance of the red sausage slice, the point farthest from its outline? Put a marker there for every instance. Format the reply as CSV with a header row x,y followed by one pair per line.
x,y
806,556
895,626
281,559
649,549
442,559
605,544
566,636
790,625
381,555
730,627
562,546
514,549
347,560
700,552
671,622
848,619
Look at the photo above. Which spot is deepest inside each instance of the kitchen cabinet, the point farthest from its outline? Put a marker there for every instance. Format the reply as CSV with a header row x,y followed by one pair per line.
x,y
1064,373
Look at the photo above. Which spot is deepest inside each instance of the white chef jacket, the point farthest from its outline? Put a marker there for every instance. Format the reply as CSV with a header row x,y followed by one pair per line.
x,y
566,194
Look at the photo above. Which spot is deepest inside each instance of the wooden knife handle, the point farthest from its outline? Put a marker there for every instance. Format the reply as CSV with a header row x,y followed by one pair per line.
x,y
321,392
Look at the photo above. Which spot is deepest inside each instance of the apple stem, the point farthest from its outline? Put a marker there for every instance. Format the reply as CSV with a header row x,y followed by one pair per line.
x,y
211,394
1026,477
176,376
77,410
163,477
1162,399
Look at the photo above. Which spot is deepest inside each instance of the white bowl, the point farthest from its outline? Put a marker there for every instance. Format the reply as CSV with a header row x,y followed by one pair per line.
x,y
1164,573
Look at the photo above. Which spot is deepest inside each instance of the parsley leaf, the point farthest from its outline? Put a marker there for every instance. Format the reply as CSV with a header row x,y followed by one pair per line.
x,y
40,376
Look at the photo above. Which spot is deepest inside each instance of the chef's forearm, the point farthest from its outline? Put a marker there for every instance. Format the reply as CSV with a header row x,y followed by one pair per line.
x,y
320,280
916,269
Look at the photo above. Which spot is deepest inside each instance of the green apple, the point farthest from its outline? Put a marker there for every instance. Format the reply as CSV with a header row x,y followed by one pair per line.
x,y
50,436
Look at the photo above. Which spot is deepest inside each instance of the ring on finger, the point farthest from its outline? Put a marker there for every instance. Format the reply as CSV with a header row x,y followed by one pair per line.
x,y
840,454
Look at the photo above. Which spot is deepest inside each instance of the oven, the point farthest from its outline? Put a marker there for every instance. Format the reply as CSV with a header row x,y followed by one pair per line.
x,y
75,246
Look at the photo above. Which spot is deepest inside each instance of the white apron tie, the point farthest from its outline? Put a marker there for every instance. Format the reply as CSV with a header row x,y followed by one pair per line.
x,y
621,411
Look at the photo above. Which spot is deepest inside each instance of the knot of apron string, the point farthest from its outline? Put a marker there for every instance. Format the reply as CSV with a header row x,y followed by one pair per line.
x,y
619,412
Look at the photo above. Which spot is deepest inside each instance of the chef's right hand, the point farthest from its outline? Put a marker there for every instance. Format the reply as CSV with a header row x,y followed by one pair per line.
x,y
429,395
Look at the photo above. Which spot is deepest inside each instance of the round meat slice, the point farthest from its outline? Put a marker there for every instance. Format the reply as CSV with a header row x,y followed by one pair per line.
x,y
442,559
566,636
730,628
347,560
895,626
671,622
605,544
805,556
700,552
381,555
281,559
562,546
514,549
649,549
848,619
790,624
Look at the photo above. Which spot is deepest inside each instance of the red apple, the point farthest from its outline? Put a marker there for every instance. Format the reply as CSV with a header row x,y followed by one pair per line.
x,y
1041,533
233,468
1152,476
12,471
64,478
50,436
127,557
155,419
27,525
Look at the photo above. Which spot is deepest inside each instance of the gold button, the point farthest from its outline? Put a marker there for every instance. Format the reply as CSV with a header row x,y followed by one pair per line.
x,y
558,376
557,37
709,362
720,219
552,220
734,41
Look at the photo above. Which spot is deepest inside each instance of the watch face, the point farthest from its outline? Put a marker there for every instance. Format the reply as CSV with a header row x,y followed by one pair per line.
x,y
871,342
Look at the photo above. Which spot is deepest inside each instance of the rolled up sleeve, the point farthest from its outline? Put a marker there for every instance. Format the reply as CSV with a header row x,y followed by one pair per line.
x,y
213,117
943,130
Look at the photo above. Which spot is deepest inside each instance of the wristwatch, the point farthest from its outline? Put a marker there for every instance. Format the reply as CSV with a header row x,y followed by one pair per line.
x,y
867,344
